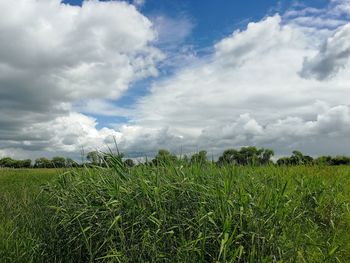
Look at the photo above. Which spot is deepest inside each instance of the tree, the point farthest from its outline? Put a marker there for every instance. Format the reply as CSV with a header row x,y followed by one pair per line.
x,y
340,160
266,156
24,163
199,158
308,160
249,155
164,157
129,163
11,163
94,158
43,163
283,161
229,156
323,160
297,158
246,156
58,162
7,162
71,163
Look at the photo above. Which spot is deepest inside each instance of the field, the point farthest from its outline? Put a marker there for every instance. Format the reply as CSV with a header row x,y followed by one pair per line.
x,y
197,213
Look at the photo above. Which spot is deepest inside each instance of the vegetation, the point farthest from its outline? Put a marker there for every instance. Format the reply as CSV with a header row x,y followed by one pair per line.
x,y
251,156
242,157
10,163
23,213
183,211
246,156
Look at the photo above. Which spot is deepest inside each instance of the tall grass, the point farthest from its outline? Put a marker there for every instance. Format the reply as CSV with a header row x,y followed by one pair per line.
x,y
199,214
23,213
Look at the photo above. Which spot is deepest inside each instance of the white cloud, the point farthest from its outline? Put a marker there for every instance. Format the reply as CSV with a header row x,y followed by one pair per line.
x,y
172,35
53,56
67,53
248,92
172,31
332,57
139,3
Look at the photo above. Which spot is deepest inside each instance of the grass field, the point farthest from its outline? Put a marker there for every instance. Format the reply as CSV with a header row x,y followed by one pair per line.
x,y
22,209
176,214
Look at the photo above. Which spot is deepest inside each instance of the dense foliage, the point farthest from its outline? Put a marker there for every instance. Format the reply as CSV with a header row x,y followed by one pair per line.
x,y
245,156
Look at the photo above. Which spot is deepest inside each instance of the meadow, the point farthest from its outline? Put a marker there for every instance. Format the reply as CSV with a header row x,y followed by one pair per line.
x,y
167,213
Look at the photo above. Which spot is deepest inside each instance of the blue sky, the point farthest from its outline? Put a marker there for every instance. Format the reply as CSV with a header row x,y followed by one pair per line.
x,y
214,20
184,75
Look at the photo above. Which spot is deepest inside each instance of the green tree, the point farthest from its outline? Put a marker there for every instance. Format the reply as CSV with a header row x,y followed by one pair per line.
x,y
71,163
246,156
249,155
266,156
164,157
59,162
297,158
283,161
43,162
7,162
323,160
129,163
94,158
24,163
229,156
199,158
341,160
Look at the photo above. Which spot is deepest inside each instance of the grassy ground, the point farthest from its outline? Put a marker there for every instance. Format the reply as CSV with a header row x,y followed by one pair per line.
x,y
21,212
176,214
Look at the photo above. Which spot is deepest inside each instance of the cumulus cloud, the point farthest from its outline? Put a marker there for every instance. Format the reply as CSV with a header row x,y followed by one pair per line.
x,y
332,57
334,121
225,85
274,84
88,51
250,92
53,56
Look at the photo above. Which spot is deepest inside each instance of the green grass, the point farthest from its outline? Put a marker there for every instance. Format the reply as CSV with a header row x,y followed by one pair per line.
x,y
177,214
22,213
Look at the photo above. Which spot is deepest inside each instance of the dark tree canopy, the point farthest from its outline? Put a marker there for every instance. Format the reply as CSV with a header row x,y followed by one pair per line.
x,y
94,158
246,156
58,162
199,158
129,163
43,162
164,157
297,158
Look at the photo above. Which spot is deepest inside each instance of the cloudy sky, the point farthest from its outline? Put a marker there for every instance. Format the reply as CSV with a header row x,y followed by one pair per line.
x,y
178,74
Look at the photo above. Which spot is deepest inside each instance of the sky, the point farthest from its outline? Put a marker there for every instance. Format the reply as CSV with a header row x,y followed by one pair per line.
x,y
184,75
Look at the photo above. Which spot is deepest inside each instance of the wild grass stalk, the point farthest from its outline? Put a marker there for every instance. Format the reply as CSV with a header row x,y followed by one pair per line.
x,y
198,213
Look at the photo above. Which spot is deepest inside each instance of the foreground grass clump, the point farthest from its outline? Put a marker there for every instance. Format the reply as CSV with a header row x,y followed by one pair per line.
x,y
23,213
200,214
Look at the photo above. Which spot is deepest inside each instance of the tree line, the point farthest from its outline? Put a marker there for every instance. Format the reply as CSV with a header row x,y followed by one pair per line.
x,y
241,157
43,162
